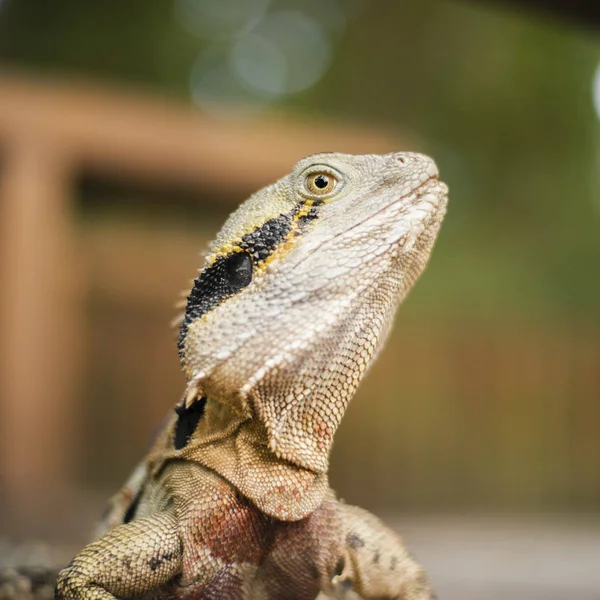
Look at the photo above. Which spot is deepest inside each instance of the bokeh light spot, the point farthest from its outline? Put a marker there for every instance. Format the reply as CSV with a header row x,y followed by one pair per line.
x,y
219,20
260,64
285,53
596,90
215,87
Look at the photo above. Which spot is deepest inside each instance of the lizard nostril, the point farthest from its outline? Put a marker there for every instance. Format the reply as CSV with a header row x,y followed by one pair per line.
x,y
401,159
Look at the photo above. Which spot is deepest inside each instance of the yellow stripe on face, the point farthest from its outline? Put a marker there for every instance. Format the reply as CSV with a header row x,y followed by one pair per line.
x,y
231,268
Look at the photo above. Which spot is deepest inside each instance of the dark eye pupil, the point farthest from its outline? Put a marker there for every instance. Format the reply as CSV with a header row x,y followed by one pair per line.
x,y
321,181
239,269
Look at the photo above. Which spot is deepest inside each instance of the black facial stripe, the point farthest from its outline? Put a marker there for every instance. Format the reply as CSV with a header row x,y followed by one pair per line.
x,y
263,241
309,216
226,276
188,418
230,274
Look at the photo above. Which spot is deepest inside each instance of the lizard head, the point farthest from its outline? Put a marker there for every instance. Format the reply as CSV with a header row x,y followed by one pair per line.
x,y
299,289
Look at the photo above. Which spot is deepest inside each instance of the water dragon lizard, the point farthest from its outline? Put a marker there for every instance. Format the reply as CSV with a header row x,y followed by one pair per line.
x,y
294,301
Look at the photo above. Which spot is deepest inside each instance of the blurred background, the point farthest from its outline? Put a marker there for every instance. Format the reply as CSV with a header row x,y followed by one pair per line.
x,y
128,132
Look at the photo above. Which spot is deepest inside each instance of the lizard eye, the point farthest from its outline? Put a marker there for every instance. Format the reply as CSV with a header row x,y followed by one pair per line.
x,y
320,183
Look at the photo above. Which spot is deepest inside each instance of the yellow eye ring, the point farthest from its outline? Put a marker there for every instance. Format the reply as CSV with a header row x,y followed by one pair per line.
x,y
320,183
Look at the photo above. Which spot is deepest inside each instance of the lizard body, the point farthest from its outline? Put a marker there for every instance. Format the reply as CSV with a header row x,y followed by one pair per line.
x,y
294,301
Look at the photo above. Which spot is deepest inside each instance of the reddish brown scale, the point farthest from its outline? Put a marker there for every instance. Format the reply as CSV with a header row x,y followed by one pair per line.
x,y
233,530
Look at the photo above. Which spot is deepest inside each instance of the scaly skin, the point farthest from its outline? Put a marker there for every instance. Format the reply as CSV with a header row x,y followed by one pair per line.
x,y
295,299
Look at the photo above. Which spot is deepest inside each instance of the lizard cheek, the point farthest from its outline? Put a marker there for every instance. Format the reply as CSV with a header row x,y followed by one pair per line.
x,y
218,282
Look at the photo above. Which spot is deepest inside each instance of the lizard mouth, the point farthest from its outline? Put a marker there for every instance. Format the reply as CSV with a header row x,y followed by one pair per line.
x,y
429,199
433,191
431,196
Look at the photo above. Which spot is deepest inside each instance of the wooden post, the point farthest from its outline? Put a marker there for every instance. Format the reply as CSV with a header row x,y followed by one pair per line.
x,y
40,325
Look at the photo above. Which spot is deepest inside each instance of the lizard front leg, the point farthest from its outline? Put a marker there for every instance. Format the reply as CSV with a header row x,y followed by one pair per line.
x,y
129,560
369,559
345,552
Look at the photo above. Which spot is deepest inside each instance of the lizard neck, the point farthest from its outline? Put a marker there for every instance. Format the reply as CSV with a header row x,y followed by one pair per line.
x,y
236,447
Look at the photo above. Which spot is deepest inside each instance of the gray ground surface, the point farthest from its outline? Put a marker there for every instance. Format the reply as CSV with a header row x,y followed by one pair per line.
x,y
469,558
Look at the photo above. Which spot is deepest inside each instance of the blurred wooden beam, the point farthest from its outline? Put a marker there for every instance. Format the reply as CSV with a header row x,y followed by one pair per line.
x,y
144,137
